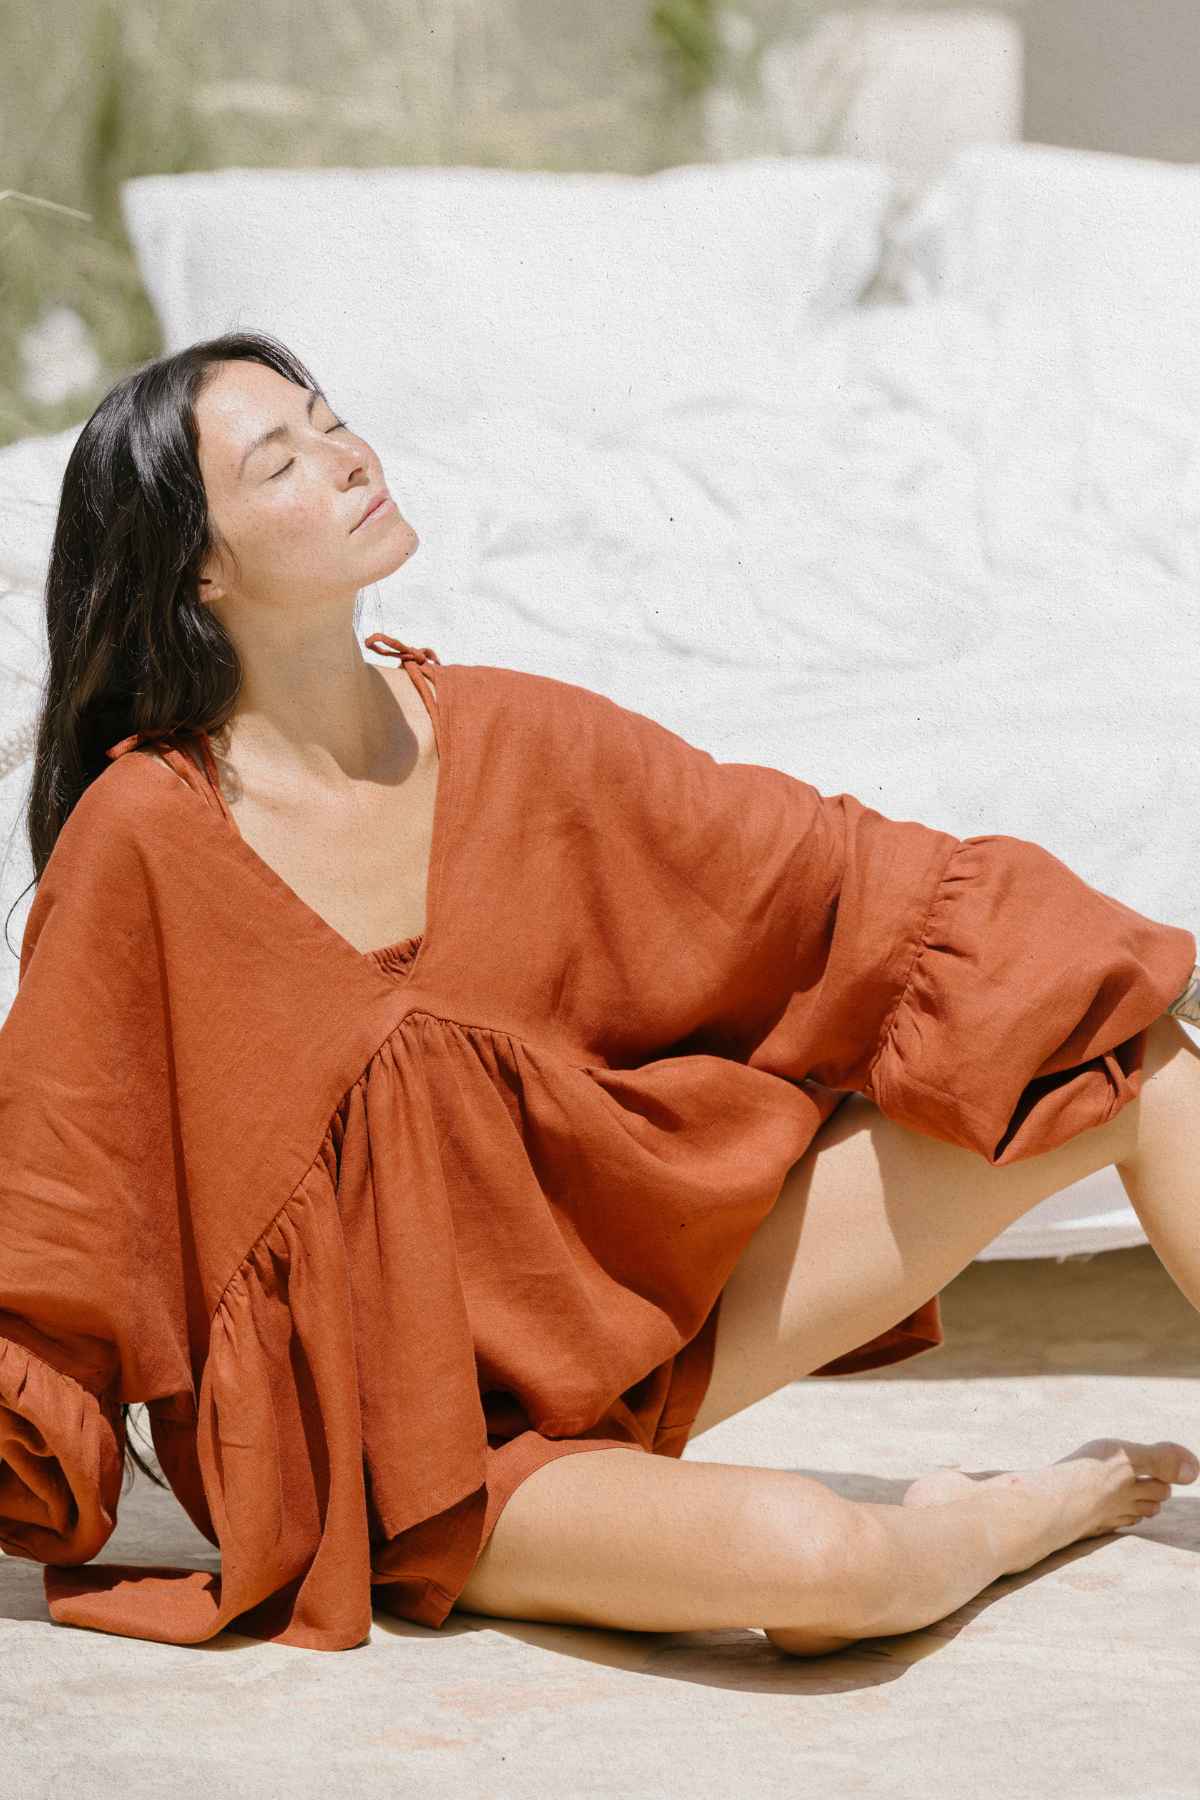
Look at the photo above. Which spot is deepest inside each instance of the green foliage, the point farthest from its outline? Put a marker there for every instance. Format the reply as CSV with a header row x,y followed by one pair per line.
x,y
690,32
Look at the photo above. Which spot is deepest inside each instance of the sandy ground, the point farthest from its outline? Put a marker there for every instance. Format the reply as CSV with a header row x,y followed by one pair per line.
x,y
1075,1679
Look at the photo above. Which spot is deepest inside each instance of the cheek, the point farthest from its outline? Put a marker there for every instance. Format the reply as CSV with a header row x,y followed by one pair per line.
x,y
296,531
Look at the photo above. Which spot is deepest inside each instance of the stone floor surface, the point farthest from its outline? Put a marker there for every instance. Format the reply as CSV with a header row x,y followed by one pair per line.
x,y
1076,1680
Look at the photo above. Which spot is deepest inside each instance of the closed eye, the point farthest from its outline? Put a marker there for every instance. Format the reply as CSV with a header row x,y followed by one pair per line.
x,y
336,426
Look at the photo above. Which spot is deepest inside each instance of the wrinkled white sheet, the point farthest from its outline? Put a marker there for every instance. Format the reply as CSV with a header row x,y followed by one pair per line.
x,y
924,561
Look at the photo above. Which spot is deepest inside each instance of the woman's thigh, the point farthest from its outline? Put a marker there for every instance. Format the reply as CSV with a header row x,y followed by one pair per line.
x,y
871,1222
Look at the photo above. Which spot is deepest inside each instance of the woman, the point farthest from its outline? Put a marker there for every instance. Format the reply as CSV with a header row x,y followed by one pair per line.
x,y
421,1075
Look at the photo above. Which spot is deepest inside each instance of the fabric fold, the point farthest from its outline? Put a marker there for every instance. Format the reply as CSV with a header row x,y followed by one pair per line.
x,y
278,1443
61,1451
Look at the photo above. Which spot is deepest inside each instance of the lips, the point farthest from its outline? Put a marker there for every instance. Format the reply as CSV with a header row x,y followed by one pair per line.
x,y
373,506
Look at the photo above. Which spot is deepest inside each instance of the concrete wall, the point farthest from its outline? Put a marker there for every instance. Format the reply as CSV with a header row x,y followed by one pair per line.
x,y
1114,75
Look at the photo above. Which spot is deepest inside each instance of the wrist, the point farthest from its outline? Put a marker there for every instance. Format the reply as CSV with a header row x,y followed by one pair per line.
x,y
1187,1006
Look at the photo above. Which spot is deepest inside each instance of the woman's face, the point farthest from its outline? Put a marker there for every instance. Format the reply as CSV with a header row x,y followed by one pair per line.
x,y
290,507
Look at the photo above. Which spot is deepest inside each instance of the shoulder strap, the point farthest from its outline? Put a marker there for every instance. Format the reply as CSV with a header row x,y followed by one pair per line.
x,y
202,781
426,660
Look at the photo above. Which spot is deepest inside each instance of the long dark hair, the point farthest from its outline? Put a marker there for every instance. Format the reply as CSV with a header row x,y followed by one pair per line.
x,y
132,647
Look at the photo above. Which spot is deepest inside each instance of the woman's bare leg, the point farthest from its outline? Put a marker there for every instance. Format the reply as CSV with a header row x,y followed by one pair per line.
x,y
870,1223
1161,1174
634,1542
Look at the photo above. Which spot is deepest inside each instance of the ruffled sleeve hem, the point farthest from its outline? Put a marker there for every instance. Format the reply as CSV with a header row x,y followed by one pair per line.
x,y
61,1456
1023,1017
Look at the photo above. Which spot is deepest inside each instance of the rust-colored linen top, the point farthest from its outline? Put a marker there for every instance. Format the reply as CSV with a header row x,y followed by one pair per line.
x,y
375,1235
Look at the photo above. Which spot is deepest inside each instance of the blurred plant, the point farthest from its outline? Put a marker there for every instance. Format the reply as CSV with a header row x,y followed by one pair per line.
x,y
58,357
690,31
733,66
787,74
71,295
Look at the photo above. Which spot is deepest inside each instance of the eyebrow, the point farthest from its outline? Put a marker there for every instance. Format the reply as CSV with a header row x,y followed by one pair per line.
x,y
278,431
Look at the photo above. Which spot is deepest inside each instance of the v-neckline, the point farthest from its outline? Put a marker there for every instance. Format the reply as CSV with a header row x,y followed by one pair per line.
x,y
379,958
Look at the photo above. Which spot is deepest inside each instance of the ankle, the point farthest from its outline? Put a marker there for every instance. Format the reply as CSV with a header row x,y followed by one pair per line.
x,y
927,1561
1019,1521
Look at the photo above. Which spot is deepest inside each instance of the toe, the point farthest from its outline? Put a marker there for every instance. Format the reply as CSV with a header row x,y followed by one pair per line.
x,y
1168,1461
1188,1468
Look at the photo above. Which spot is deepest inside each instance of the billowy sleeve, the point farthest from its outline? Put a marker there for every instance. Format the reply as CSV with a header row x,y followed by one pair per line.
x,y
975,989
84,1179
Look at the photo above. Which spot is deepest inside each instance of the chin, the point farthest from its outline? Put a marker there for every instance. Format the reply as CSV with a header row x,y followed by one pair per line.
x,y
398,553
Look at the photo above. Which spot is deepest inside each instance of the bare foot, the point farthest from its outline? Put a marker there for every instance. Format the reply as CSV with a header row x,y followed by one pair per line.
x,y
1103,1485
